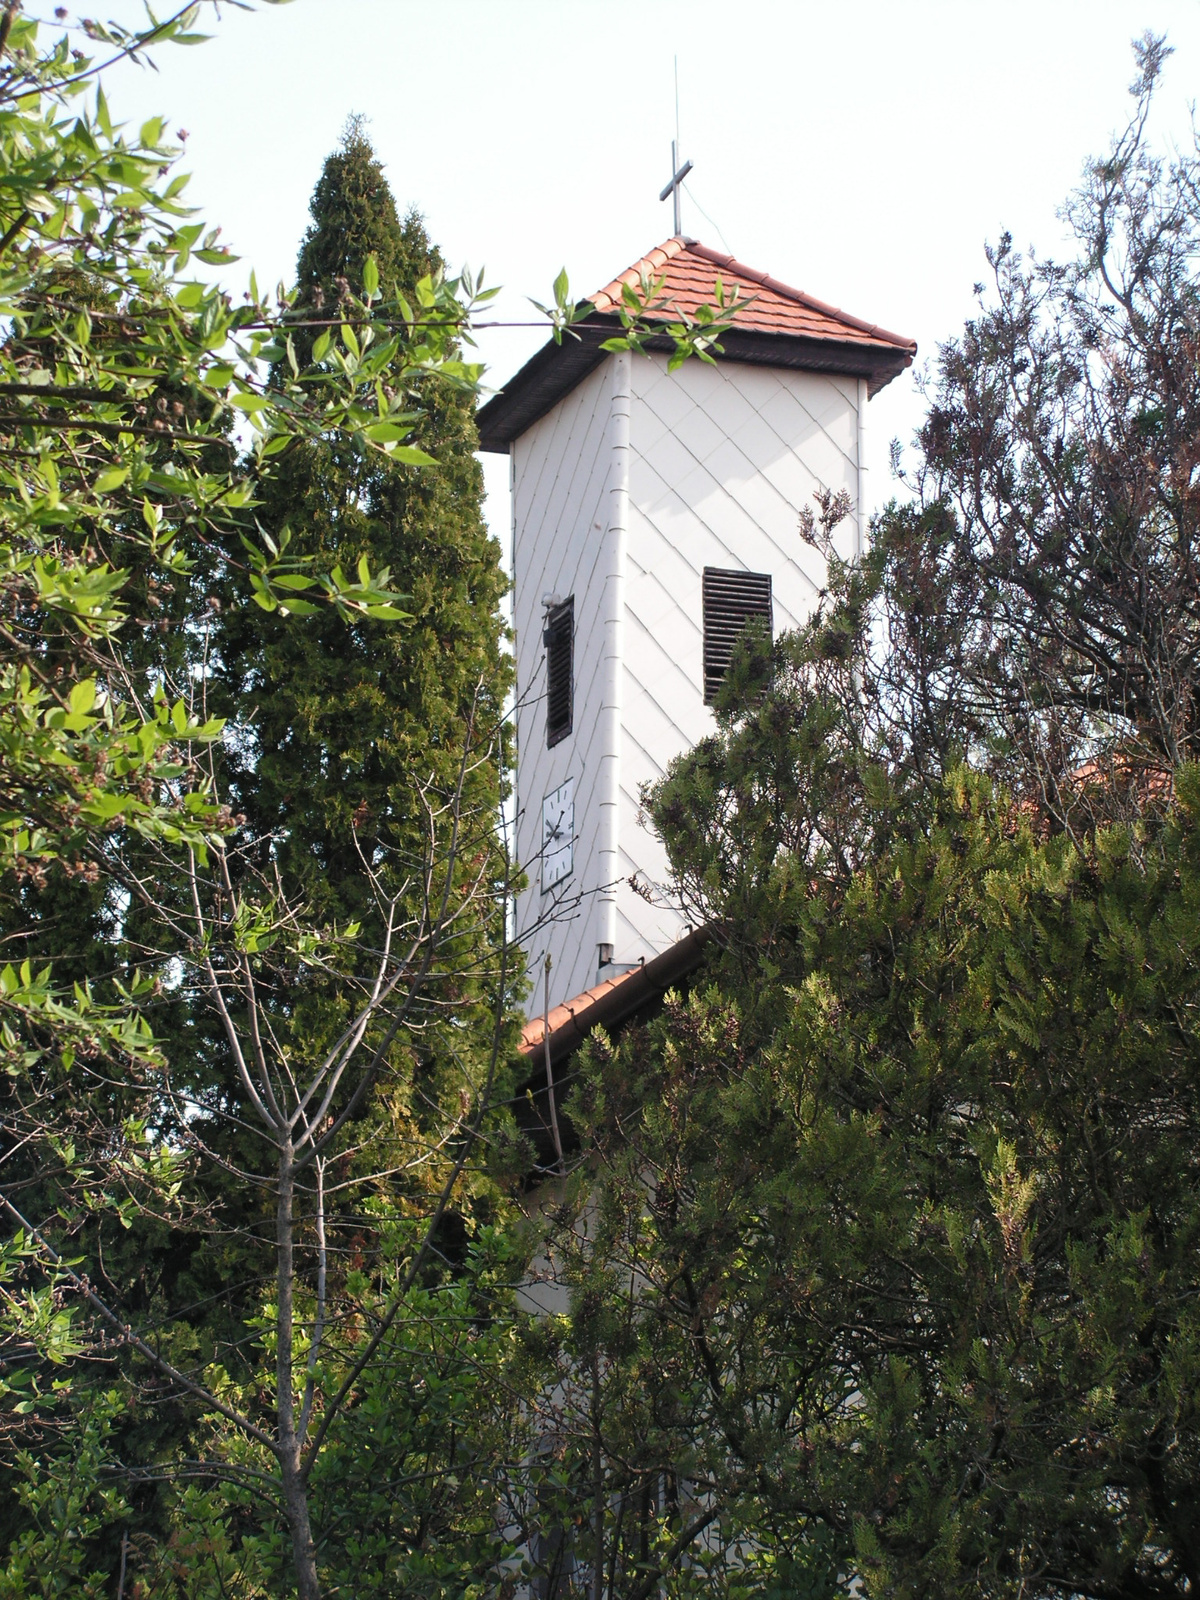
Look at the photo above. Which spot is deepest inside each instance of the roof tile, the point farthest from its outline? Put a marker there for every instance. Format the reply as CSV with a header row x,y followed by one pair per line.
x,y
533,1034
775,325
689,272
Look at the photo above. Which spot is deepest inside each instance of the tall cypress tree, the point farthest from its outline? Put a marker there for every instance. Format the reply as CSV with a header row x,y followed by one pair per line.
x,y
347,720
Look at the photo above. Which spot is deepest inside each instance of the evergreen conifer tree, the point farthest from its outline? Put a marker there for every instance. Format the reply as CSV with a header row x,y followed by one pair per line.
x,y
348,738
347,721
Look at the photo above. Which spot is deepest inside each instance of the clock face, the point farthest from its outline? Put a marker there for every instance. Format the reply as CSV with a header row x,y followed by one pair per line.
x,y
558,835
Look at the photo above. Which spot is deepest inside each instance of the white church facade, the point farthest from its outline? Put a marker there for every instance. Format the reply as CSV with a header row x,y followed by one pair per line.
x,y
653,514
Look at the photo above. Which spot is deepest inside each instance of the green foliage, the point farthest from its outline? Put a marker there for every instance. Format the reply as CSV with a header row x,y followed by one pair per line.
x,y
1054,471
410,1486
406,1493
344,719
648,313
120,375
911,1188
885,1252
63,1510
128,518
255,1021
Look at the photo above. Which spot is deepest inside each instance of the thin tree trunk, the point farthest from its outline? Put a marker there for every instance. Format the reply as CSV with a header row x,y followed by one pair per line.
x,y
295,1494
598,1484
558,1149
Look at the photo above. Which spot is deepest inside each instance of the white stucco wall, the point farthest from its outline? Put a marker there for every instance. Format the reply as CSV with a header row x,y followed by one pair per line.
x,y
722,458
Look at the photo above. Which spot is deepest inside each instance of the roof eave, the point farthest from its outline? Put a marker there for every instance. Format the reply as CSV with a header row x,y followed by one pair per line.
x,y
877,363
614,1002
541,383
556,369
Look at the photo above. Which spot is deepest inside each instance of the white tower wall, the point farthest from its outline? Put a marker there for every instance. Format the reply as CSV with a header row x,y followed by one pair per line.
x,y
720,461
561,471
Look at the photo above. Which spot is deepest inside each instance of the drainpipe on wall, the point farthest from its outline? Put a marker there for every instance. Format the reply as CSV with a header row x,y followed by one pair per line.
x,y
516,798
615,540
860,525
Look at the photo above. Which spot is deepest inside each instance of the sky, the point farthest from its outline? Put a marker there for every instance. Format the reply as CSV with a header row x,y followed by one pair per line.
x,y
863,150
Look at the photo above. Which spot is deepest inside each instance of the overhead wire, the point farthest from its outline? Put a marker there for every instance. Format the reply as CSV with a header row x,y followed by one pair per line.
x,y
708,219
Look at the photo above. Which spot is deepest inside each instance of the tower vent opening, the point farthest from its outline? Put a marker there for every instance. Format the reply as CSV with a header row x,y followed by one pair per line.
x,y
731,600
559,638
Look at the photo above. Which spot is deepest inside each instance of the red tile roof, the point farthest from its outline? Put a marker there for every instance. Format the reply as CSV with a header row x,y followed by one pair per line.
x,y
778,327
576,1010
611,1002
689,272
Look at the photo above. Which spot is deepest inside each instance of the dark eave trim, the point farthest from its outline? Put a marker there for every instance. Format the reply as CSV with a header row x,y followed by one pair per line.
x,y
540,384
556,369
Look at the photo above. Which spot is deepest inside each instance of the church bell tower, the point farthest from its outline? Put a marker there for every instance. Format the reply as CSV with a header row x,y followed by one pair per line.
x,y
653,515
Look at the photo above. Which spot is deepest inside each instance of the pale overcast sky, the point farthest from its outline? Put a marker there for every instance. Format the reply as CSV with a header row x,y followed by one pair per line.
x,y
863,150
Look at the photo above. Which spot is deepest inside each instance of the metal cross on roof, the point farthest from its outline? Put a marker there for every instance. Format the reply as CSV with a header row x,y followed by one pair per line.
x,y
679,173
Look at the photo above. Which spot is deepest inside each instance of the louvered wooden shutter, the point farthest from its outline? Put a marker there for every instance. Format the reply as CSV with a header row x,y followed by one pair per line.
x,y
730,600
559,639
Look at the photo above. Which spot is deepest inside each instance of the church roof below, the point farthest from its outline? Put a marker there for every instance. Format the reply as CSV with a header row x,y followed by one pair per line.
x,y
776,326
615,1000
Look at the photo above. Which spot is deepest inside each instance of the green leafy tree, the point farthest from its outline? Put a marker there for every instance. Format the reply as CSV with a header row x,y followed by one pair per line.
x,y
213,1048
120,377
233,1058
349,743
1045,568
51,1556
354,752
908,1195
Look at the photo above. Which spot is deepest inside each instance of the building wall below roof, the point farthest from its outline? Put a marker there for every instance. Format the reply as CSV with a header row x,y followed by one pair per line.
x,y
561,481
723,458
